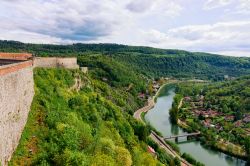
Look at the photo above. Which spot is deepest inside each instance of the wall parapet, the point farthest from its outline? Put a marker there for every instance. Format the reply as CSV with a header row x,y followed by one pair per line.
x,y
16,95
15,56
5,69
53,62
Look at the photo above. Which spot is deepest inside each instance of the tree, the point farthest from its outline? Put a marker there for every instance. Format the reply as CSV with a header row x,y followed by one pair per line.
x,y
177,161
247,148
123,156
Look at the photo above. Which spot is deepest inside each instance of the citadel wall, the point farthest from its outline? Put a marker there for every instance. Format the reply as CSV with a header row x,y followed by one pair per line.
x,y
16,94
52,62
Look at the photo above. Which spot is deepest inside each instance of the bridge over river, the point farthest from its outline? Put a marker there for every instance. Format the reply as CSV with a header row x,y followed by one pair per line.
x,y
182,135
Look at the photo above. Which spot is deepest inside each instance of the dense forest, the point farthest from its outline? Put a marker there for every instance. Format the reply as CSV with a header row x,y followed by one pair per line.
x,y
151,62
221,111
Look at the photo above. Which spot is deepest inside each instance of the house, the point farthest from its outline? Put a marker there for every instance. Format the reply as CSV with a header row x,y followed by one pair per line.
x,y
218,127
201,97
152,151
187,98
141,95
238,123
247,130
156,86
199,104
229,117
207,123
246,119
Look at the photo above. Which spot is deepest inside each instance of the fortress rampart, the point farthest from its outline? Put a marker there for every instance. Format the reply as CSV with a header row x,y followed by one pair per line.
x,y
16,95
52,62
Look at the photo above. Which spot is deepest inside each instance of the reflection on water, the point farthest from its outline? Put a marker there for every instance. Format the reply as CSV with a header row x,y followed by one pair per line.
x,y
158,117
174,129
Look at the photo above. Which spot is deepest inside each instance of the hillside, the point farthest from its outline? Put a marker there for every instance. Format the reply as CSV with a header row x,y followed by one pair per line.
x,y
86,124
85,127
151,62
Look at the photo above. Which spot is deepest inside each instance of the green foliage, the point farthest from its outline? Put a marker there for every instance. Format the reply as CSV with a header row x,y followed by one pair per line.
x,y
151,62
173,145
174,110
177,161
227,99
66,127
93,126
247,148
191,160
161,154
142,131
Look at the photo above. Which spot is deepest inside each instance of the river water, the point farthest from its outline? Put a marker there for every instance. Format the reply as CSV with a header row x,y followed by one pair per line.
x,y
158,117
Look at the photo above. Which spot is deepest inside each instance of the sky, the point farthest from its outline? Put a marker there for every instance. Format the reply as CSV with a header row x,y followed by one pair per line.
x,y
215,26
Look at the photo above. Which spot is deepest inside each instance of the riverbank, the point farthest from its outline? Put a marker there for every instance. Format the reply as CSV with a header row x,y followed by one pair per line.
x,y
159,118
154,135
221,145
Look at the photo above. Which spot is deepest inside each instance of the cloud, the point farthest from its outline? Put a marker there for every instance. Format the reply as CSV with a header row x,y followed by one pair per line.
x,y
212,4
79,20
31,37
223,37
244,7
218,31
159,23
64,19
140,6
233,53
164,7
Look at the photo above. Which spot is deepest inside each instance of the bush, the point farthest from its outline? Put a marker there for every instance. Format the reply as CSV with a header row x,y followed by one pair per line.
x,y
173,145
191,160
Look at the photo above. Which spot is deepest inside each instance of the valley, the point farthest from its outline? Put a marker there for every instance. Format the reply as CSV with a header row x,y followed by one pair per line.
x,y
86,117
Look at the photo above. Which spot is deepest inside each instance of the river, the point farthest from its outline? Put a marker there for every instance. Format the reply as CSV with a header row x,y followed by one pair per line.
x,y
158,117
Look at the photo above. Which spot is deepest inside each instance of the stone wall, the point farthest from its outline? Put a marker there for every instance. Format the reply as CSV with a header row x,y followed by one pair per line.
x,y
15,56
16,94
51,62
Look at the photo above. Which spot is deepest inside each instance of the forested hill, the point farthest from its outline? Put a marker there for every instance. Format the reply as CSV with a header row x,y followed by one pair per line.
x,y
231,96
149,61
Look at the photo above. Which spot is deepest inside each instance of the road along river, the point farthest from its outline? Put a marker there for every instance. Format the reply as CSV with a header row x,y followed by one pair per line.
x,y
158,117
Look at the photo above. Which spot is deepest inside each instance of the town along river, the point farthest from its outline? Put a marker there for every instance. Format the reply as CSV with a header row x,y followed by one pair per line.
x,y
158,117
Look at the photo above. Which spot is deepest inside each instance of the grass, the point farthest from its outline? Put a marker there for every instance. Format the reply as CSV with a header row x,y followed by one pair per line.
x,y
143,114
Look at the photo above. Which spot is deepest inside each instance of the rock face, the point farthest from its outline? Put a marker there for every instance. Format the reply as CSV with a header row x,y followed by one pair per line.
x,y
16,94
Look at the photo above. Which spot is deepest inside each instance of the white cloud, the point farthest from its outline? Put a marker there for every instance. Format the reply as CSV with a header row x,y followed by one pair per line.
x,y
233,53
212,4
244,7
30,37
65,19
158,23
226,37
165,7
